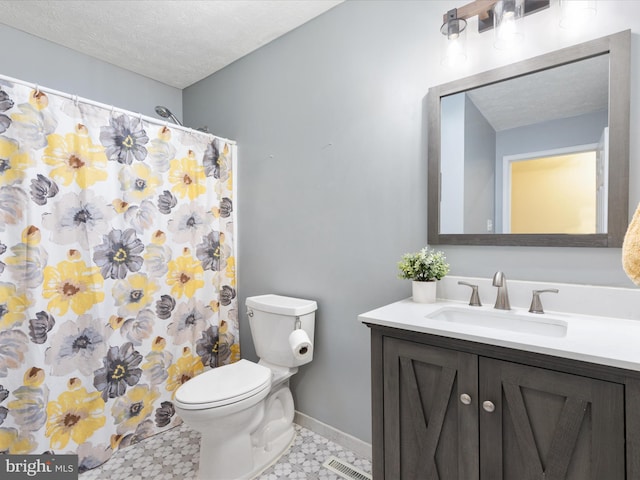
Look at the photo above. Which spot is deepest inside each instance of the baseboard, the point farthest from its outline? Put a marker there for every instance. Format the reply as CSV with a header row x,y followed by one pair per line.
x,y
349,442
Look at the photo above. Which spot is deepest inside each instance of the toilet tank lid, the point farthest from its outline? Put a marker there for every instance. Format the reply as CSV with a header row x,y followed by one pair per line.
x,y
282,305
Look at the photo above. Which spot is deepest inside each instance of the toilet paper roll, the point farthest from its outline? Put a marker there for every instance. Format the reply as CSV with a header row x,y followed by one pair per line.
x,y
301,345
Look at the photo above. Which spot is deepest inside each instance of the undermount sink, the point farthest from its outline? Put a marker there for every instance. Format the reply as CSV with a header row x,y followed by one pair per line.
x,y
502,320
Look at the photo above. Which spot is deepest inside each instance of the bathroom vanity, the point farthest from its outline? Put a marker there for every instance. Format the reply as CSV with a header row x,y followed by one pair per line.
x,y
475,395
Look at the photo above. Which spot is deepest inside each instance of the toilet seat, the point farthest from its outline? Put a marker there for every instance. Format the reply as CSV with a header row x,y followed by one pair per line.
x,y
223,386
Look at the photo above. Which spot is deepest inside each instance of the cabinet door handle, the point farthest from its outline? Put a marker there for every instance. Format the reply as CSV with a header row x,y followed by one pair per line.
x,y
488,406
465,399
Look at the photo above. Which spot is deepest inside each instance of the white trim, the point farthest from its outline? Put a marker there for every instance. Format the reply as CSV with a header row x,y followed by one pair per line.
x,y
357,446
507,160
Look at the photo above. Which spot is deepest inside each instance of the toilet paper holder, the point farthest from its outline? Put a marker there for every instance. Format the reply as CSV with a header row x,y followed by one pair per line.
x,y
298,326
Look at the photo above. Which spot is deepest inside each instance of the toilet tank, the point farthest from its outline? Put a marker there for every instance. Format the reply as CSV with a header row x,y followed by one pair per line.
x,y
272,318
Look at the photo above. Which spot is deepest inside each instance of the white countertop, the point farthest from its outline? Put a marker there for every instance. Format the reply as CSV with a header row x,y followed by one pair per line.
x,y
597,339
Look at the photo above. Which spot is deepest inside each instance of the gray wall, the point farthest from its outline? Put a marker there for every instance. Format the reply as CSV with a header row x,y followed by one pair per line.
x,y
32,59
452,179
332,174
479,170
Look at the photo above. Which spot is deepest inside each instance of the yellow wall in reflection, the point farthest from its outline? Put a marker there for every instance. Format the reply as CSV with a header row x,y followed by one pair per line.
x,y
554,194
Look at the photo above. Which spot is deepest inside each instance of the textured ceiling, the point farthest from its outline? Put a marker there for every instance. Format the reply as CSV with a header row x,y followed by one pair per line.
x,y
567,91
177,42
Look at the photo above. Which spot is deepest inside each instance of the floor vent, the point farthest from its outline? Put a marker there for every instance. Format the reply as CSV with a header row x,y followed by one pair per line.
x,y
345,470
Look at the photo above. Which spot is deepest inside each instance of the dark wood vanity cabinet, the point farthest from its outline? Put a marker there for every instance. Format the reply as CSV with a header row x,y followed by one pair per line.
x,y
446,409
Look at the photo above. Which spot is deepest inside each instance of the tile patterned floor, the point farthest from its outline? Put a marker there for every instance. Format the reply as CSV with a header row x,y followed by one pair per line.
x,y
173,455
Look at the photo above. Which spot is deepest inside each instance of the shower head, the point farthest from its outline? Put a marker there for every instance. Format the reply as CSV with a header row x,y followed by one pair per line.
x,y
164,112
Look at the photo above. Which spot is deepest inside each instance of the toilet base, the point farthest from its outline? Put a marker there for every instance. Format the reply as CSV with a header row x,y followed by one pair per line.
x,y
265,432
279,447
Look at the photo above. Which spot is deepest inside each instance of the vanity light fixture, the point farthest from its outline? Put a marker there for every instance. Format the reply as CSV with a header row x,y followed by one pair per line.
x,y
503,14
506,24
454,40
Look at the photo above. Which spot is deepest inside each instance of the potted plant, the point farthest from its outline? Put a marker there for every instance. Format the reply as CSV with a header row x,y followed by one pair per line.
x,y
424,268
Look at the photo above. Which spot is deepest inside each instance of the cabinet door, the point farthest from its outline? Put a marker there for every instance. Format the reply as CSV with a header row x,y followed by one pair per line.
x,y
429,433
549,425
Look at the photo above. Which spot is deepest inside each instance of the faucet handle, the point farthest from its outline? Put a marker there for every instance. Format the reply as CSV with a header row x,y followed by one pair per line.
x,y
475,298
536,304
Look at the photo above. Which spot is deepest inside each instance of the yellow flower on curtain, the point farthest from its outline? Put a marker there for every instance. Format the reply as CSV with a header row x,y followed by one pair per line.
x,y
13,162
185,275
187,367
235,352
230,271
134,407
75,415
75,157
187,177
15,443
72,284
13,305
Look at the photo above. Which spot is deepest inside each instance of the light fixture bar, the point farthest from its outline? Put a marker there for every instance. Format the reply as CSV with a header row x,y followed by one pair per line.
x,y
483,9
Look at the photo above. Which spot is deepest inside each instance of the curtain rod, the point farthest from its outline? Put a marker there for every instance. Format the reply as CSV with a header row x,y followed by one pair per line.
x,y
76,98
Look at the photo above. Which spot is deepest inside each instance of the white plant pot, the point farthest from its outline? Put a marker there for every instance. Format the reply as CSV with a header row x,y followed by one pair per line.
x,y
424,292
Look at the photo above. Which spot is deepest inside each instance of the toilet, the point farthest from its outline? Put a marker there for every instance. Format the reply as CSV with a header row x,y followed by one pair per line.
x,y
244,411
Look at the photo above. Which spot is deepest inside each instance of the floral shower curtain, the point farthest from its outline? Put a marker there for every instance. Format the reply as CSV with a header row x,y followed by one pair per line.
x,y
117,272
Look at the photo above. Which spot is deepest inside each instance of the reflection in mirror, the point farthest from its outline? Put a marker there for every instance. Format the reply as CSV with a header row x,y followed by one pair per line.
x,y
534,153
506,128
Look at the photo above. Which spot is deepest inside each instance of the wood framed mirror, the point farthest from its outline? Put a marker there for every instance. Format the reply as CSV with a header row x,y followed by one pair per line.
x,y
508,147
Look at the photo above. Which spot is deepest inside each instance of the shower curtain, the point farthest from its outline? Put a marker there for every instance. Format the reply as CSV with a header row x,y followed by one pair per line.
x,y
117,271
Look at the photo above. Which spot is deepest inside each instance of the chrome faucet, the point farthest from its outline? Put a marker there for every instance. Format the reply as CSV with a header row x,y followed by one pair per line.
x,y
502,300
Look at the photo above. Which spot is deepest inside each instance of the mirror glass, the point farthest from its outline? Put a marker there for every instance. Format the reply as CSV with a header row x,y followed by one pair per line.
x,y
509,152
523,153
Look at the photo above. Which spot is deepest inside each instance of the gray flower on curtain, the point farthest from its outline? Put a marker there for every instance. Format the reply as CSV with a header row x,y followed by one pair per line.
x,y
165,306
119,253
210,159
208,252
3,248
42,188
227,294
13,346
29,404
78,345
166,201
5,104
40,326
190,222
144,430
139,328
82,218
164,414
226,207
124,139
119,371
4,393
90,457
13,201
189,320
214,348
141,217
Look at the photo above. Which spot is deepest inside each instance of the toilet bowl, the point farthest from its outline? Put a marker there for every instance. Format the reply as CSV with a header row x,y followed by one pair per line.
x,y
244,411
